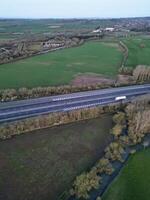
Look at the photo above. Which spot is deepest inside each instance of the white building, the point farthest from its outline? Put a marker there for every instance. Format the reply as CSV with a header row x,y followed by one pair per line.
x,y
97,31
109,29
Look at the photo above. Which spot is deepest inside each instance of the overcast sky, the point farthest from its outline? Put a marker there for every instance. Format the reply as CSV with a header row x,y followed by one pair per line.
x,y
74,8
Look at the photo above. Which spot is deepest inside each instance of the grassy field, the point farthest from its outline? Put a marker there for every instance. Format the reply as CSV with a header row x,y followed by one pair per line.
x,y
134,181
60,67
139,51
43,164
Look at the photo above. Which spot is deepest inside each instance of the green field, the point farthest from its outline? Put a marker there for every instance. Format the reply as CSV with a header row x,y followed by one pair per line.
x,y
134,181
58,68
43,164
139,51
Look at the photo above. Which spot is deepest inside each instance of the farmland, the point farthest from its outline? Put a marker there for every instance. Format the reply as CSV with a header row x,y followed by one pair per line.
x,y
43,164
134,181
139,51
60,67
50,25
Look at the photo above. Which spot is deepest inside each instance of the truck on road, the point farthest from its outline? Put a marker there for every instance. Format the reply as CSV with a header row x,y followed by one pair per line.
x,y
120,98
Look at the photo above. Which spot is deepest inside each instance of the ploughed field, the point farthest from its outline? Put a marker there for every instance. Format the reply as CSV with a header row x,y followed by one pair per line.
x,y
43,164
133,183
61,67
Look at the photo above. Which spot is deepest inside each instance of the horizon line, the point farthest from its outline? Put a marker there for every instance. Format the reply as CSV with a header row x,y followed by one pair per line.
x,y
82,18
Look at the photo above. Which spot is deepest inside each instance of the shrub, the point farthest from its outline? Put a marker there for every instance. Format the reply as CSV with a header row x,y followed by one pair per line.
x,y
120,118
84,184
104,166
117,130
114,152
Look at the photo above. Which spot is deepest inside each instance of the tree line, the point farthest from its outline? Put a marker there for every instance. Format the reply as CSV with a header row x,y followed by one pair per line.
x,y
142,73
27,125
138,115
87,181
27,93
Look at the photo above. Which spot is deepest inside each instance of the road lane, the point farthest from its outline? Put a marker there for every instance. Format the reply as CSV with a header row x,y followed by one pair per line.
x,y
63,103
69,97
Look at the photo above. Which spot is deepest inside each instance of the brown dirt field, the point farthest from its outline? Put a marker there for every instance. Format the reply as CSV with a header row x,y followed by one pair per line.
x,y
91,79
43,164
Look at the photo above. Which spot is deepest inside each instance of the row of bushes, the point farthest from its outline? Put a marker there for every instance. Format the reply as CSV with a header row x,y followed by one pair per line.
x,y
45,121
26,93
86,182
92,179
125,52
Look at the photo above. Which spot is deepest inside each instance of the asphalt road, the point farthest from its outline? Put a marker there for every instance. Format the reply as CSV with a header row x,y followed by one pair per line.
x,y
13,111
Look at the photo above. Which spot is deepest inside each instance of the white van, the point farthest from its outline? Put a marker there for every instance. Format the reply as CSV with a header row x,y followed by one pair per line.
x,y
120,98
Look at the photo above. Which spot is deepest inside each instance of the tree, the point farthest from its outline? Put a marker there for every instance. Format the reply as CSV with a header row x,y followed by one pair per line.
x,y
84,183
120,118
117,130
104,166
114,152
141,73
98,198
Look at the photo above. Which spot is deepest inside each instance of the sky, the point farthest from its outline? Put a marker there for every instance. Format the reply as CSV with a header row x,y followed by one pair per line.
x,y
74,8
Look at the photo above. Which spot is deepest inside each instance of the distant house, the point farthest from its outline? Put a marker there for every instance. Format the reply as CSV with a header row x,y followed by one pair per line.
x,y
109,29
97,31
53,44
100,30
